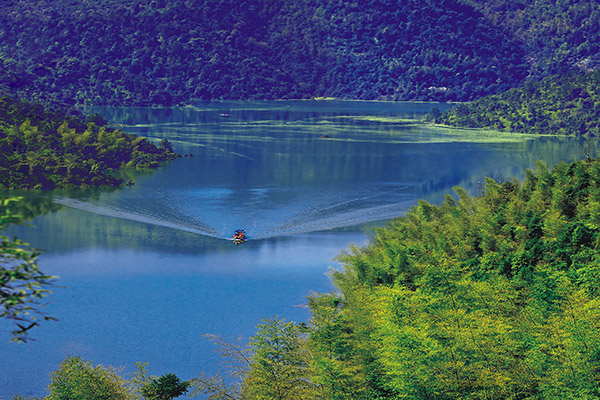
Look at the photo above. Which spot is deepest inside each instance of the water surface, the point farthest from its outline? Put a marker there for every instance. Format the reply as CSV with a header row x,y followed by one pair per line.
x,y
146,270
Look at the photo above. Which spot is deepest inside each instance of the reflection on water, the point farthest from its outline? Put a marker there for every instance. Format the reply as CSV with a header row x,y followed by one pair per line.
x,y
146,269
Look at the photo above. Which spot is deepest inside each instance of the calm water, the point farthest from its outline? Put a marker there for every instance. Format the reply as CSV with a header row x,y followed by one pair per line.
x,y
146,270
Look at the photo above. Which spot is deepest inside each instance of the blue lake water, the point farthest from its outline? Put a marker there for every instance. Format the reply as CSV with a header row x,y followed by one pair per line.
x,y
146,270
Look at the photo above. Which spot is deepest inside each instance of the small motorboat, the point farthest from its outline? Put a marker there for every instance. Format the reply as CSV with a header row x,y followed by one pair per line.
x,y
239,236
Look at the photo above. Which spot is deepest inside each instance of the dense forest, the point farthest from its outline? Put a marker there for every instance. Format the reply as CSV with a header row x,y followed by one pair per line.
x,y
44,149
556,34
141,52
481,297
565,104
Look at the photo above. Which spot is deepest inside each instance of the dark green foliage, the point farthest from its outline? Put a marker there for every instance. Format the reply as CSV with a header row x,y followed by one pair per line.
x,y
43,150
566,104
556,34
140,52
166,387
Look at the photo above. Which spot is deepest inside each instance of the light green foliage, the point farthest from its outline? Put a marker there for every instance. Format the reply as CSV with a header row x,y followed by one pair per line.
x,y
493,297
274,366
334,369
214,387
22,284
342,347
141,377
77,379
279,363
490,297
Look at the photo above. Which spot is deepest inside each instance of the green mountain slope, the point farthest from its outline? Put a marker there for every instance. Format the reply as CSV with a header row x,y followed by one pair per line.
x,y
158,52
555,34
566,104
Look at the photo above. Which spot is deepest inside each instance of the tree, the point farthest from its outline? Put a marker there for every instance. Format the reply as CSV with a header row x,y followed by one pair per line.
x,y
22,284
166,387
274,366
43,149
336,366
279,364
77,379
166,146
490,297
236,363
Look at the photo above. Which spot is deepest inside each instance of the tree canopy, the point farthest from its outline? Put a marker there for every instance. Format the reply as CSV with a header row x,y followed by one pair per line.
x,y
46,149
555,34
565,104
143,52
167,387
493,296
79,379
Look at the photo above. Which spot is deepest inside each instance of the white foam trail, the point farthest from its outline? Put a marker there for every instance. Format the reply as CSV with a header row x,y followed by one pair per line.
x,y
309,221
200,228
345,202
341,220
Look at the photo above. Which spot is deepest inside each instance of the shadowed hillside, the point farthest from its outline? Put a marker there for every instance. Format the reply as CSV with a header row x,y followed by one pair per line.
x,y
158,52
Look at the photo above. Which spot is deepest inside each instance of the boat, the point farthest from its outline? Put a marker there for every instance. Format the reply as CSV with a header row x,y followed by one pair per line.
x,y
239,236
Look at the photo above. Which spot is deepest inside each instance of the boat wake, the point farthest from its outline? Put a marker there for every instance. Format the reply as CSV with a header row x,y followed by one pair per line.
x,y
111,211
311,223
308,217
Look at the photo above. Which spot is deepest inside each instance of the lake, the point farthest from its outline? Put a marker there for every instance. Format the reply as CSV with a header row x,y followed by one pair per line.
x,y
146,270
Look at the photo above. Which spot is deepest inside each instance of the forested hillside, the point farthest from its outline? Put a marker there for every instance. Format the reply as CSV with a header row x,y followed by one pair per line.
x,y
490,297
44,149
565,104
141,52
555,34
